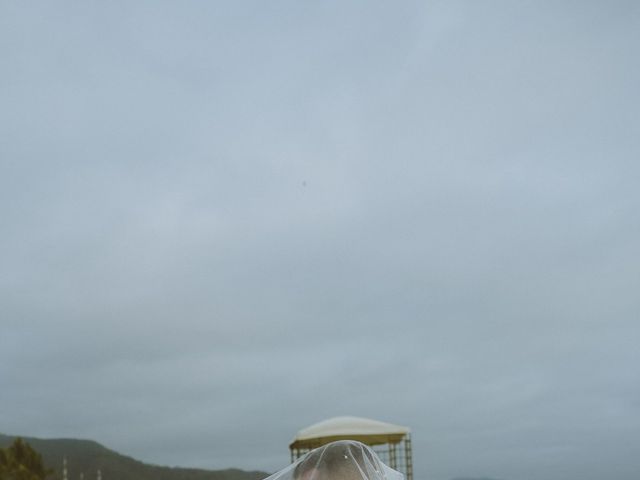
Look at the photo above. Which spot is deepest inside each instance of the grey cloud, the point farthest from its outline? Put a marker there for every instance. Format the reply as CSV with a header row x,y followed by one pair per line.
x,y
222,223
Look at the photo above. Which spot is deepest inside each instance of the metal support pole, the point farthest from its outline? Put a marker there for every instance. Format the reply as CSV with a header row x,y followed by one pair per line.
x,y
408,455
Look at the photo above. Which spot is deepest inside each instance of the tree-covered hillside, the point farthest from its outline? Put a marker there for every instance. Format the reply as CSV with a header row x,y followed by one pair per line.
x,y
85,457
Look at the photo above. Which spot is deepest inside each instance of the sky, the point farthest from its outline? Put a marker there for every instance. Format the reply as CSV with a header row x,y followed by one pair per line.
x,y
222,222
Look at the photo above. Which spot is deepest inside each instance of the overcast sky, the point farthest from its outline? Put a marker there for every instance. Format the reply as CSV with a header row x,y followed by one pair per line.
x,y
223,222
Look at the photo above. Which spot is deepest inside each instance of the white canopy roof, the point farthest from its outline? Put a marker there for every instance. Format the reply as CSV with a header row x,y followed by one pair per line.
x,y
370,432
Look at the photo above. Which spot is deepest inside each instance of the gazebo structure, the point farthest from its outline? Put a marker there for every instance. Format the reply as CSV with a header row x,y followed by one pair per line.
x,y
391,442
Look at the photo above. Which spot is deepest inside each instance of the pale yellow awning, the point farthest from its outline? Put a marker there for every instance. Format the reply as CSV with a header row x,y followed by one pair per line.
x,y
369,432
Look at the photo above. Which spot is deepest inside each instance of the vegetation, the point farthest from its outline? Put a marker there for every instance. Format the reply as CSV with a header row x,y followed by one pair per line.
x,y
19,461
86,457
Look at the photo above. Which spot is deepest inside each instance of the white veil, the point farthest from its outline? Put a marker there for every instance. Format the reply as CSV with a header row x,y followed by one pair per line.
x,y
342,460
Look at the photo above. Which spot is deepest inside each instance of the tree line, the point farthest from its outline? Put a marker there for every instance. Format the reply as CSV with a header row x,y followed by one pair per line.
x,y
19,461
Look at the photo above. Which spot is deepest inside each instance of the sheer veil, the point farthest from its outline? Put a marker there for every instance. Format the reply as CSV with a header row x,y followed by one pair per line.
x,y
342,460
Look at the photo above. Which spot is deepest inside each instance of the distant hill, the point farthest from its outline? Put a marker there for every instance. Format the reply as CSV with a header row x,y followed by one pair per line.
x,y
86,457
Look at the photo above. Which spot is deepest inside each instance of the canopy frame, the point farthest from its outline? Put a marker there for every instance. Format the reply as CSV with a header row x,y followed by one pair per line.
x,y
392,443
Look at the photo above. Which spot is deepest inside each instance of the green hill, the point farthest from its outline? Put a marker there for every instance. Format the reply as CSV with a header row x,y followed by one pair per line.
x,y
86,457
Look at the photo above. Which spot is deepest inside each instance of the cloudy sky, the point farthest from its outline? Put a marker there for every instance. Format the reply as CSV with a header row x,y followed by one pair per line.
x,y
222,222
